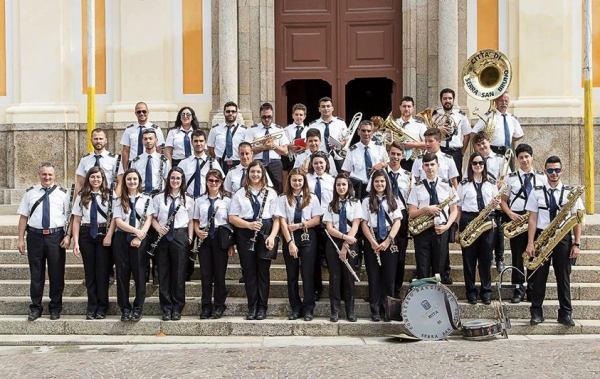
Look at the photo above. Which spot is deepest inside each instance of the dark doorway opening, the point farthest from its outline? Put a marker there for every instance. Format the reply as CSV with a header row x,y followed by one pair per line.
x,y
307,92
371,96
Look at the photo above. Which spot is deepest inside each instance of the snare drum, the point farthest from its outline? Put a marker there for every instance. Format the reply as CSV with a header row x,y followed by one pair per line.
x,y
479,330
425,313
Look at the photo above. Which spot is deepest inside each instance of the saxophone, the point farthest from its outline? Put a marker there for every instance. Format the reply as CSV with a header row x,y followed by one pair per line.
x,y
512,229
479,224
425,221
555,232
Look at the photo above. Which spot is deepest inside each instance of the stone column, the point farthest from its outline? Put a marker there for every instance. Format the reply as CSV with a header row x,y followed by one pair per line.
x,y
228,57
448,44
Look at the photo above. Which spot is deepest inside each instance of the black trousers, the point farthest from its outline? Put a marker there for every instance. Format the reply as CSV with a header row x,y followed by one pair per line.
x,y
457,156
275,171
499,237
152,260
381,278
407,164
518,245
172,259
256,271
304,265
431,252
360,188
562,270
41,249
213,266
130,260
96,265
341,281
226,166
402,243
321,255
480,252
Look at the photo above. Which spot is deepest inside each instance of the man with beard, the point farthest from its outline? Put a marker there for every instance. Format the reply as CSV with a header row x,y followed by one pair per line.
x,y
101,158
415,128
330,126
224,139
455,127
132,139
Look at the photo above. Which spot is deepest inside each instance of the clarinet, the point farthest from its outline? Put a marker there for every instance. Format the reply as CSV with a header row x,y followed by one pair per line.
x,y
113,185
161,169
170,220
143,218
199,240
259,217
68,214
345,260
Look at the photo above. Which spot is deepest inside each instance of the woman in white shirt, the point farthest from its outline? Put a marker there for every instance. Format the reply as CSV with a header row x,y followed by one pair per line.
x,y
90,213
130,244
210,213
382,214
251,212
179,140
172,221
342,219
299,212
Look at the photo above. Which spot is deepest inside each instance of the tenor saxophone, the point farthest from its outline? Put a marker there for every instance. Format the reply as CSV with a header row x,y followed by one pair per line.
x,y
555,232
513,228
423,222
480,224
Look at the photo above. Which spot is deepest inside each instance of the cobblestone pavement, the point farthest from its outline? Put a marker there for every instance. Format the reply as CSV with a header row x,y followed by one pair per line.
x,y
273,357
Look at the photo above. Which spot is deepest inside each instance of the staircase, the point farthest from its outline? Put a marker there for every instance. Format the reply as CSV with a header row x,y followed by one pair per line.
x,y
14,301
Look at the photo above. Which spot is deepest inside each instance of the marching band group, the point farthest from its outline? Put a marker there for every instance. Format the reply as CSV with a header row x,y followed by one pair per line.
x,y
306,189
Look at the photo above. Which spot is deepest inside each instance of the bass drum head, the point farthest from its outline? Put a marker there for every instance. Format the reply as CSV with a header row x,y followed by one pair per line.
x,y
424,312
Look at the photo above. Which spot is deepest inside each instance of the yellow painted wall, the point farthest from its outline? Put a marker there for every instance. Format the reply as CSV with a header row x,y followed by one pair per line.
x,y
487,24
193,64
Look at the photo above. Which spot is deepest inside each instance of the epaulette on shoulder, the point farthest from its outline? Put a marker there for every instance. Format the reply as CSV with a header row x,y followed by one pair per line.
x,y
513,174
539,188
435,111
498,155
136,159
112,155
62,189
29,189
487,113
538,172
353,147
130,126
254,126
234,167
419,183
312,122
243,126
420,156
418,120
444,180
464,181
163,158
461,112
407,172
214,126
339,118
155,126
568,187
378,143
283,195
448,156
85,155
492,180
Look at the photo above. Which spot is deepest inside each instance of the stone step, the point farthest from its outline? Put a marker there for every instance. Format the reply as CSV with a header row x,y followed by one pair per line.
x,y
278,289
74,330
579,274
279,308
587,258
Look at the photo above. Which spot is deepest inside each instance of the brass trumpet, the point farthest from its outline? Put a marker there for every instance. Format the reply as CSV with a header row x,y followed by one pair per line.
x,y
266,137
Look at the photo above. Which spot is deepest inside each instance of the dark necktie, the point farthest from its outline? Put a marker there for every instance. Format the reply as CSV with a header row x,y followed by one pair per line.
x,y
211,209
94,217
187,145
132,211
97,163
480,204
433,199
368,161
395,189
243,177
506,133
148,178
140,147
553,204
266,153
326,135
229,142
197,182
298,211
528,185
381,229
255,207
343,218
171,233
318,188
298,132
46,210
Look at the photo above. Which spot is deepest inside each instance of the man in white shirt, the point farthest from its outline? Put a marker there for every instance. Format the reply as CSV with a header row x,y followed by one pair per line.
x,y
132,139
294,131
330,126
236,176
224,139
152,166
413,127
313,144
197,165
102,158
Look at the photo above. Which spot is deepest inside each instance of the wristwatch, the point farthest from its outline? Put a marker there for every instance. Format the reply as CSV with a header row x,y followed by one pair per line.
x,y
577,244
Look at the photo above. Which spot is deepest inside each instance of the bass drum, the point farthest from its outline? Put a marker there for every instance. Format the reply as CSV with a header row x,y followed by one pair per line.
x,y
430,312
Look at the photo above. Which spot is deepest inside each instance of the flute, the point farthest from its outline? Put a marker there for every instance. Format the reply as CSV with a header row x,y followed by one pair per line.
x,y
345,260
375,238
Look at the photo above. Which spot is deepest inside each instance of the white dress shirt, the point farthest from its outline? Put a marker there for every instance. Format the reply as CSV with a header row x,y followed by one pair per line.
x,y
467,195
175,139
463,127
108,164
217,139
447,169
188,165
183,215
539,202
131,135
59,206
140,204
222,204
517,197
354,211
242,206
259,130
355,159
371,217
337,130
158,160
516,131
327,182
419,196
84,212
286,211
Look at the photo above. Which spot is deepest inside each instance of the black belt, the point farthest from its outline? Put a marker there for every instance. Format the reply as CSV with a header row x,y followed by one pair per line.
x,y
270,159
229,162
450,149
101,225
45,231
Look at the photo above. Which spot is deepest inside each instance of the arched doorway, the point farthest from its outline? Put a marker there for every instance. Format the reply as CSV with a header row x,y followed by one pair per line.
x,y
307,92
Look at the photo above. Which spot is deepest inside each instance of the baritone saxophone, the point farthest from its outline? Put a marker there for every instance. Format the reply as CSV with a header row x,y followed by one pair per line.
x,y
480,224
423,222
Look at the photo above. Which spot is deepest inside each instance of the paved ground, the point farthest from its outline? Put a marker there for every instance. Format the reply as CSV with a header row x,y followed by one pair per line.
x,y
298,357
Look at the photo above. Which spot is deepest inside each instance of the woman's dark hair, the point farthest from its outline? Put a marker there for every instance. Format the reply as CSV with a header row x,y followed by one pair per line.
x,y
182,188
217,174
125,192
319,154
471,173
391,201
335,201
263,179
195,125
86,191
289,192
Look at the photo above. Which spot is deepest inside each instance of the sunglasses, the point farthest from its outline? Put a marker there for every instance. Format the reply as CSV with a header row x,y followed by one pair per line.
x,y
553,170
266,117
478,163
141,112
214,181
186,115
230,111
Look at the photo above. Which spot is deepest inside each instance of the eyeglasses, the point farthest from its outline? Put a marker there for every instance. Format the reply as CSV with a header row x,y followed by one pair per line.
x,y
266,117
141,112
478,163
214,181
553,170
186,115
175,178
230,111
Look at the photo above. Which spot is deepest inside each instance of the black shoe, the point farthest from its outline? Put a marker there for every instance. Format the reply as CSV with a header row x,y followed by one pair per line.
x,y
334,317
90,316
176,316
536,319
100,316
500,266
375,317
308,316
241,280
54,316
351,318
294,315
447,280
111,279
261,314
486,301
472,301
125,315
358,264
136,316
317,295
206,313
324,263
34,315
516,299
251,315
567,321
166,316
155,280
188,278
218,313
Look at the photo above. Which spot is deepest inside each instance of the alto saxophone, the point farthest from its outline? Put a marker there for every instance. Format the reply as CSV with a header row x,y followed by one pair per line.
x,y
425,221
513,228
555,232
479,224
